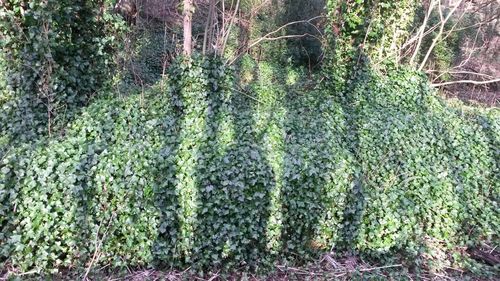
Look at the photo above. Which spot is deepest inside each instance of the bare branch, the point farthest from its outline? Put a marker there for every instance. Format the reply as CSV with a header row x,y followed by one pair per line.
x,y
441,30
268,38
466,82
459,72
231,22
421,34
281,28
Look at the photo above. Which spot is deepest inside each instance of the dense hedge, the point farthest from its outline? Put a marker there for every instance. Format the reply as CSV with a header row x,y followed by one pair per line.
x,y
199,174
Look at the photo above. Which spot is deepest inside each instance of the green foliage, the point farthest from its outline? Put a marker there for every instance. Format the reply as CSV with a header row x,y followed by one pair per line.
x,y
375,29
72,193
429,175
57,57
197,174
214,173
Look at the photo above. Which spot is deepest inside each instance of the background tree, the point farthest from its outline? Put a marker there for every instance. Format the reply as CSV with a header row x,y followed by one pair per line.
x,y
188,27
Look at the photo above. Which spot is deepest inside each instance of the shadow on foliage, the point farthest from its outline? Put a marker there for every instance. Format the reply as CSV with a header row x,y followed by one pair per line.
x,y
301,131
310,161
476,144
303,135
352,109
166,251
490,130
213,193
234,187
353,90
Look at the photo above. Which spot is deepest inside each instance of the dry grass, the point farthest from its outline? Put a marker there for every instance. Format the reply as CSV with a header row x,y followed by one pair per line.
x,y
329,267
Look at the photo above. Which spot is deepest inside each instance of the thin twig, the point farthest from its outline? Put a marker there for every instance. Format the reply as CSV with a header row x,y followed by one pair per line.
x,y
247,95
380,267
98,244
268,38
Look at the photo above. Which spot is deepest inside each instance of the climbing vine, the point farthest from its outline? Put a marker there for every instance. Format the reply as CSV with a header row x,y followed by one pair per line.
x,y
58,56
373,29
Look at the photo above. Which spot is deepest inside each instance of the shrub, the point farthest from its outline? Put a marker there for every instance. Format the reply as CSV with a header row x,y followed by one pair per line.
x,y
204,176
429,173
58,56
71,196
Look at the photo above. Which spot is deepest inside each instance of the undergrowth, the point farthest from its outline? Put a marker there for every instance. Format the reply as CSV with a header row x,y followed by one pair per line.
x,y
216,173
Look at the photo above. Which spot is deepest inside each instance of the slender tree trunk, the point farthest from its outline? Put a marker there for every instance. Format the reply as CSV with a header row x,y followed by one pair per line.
x,y
207,43
188,27
421,32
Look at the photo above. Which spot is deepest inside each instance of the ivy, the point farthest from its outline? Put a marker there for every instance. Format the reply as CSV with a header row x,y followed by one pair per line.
x,y
198,174
357,29
58,55
421,164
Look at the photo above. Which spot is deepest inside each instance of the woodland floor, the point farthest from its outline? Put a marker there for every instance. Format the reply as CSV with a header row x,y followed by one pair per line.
x,y
488,98
328,267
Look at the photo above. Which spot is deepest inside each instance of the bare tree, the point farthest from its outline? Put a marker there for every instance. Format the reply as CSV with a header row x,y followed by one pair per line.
x,y
443,21
218,26
421,31
474,50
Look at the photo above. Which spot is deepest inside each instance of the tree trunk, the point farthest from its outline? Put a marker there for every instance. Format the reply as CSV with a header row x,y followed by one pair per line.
x,y
188,27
